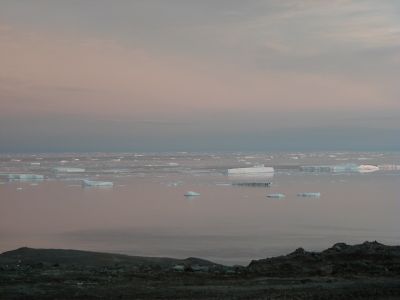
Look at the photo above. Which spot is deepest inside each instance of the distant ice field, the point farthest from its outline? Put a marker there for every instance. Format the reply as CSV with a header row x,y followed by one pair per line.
x,y
44,203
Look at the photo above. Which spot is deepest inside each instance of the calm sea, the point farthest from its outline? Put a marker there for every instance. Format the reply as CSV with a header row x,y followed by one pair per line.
x,y
146,212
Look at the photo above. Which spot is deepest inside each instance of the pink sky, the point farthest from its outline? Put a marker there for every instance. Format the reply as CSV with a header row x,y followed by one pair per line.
x,y
151,62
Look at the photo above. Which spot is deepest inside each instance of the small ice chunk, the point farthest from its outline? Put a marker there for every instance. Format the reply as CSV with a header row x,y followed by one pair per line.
x,y
312,195
191,194
96,183
35,163
276,195
172,184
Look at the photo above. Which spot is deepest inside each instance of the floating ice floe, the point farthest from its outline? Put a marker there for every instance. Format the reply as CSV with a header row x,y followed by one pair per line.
x,y
252,170
35,163
311,195
69,170
25,177
276,195
97,183
253,184
191,194
346,168
367,168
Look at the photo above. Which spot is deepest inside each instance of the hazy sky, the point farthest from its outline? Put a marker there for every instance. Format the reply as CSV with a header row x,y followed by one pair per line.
x,y
161,75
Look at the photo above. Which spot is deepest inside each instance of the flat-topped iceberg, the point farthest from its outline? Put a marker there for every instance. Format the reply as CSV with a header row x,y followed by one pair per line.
x,y
276,195
97,183
251,170
346,168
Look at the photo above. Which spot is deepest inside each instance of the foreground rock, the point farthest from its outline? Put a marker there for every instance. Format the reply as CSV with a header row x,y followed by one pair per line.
x,y
369,270
367,259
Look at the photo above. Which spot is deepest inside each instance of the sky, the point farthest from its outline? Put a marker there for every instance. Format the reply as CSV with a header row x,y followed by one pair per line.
x,y
188,75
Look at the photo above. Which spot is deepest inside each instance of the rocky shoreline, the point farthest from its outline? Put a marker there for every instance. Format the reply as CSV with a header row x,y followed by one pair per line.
x,y
366,271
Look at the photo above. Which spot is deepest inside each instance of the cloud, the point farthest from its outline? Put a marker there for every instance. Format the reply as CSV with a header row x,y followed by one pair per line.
x,y
225,66
105,77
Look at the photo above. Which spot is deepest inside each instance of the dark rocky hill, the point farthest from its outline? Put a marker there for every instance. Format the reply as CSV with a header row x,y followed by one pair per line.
x,y
24,256
369,258
366,271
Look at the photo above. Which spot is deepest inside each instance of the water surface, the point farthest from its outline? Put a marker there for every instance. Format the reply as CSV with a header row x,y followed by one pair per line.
x,y
145,213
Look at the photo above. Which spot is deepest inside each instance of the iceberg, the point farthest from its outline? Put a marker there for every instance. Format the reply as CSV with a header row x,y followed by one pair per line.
x,y
251,170
346,168
311,195
25,177
96,183
191,194
277,196
367,168
69,170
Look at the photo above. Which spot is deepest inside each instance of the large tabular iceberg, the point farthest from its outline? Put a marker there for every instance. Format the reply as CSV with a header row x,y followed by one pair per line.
x,y
250,171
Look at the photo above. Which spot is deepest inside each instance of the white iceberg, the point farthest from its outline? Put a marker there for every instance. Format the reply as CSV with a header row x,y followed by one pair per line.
x,y
191,194
345,168
367,168
276,195
252,170
96,183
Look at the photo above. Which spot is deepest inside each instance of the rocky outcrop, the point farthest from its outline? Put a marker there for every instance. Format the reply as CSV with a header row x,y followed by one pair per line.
x,y
369,258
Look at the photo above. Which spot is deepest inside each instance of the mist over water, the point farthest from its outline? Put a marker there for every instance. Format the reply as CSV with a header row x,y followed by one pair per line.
x,y
146,213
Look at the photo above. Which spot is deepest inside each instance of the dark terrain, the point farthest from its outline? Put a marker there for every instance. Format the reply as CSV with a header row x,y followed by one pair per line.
x,y
366,271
